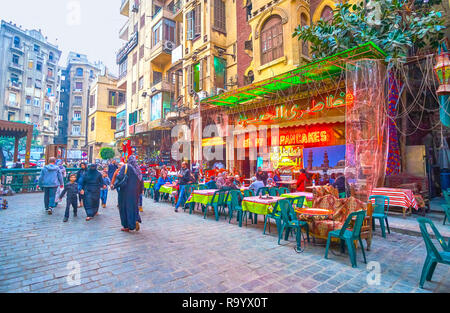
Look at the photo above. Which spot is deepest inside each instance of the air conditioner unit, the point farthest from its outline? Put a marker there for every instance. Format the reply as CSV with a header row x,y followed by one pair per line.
x,y
168,46
135,7
202,95
220,91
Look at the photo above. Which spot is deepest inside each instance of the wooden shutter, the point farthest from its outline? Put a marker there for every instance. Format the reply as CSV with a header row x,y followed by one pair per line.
x,y
113,122
190,25
219,15
200,75
190,70
198,21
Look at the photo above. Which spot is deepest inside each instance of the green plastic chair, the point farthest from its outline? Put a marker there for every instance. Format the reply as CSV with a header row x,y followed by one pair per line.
x,y
433,255
297,201
262,191
274,192
202,187
236,205
188,191
290,222
217,202
446,207
283,190
276,216
349,236
248,193
380,210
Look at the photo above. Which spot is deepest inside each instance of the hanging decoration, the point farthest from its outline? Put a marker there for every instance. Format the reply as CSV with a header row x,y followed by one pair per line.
x,y
393,165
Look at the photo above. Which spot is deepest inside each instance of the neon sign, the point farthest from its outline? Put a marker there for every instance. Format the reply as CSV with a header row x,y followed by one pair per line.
x,y
312,137
293,112
288,156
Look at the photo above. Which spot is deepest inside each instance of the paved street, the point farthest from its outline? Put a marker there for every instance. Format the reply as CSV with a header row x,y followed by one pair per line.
x,y
185,253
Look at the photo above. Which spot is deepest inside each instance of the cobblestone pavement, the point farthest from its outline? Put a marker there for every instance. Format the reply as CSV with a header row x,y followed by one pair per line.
x,y
178,252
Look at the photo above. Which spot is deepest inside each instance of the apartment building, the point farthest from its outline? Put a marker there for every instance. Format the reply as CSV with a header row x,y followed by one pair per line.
x,y
104,98
29,80
79,74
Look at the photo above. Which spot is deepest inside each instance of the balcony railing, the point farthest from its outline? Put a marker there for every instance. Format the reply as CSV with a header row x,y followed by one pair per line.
x,y
14,85
175,6
17,47
16,66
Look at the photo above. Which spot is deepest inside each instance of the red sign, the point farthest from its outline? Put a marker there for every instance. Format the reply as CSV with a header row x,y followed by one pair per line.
x,y
307,136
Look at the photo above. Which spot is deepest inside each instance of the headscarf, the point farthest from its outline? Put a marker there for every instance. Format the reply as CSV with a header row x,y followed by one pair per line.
x,y
133,164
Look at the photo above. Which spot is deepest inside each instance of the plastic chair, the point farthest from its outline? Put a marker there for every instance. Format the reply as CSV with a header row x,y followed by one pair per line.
x,y
248,193
446,207
275,215
349,236
290,222
433,255
380,210
236,205
273,192
202,187
262,191
283,190
188,191
217,202
297,201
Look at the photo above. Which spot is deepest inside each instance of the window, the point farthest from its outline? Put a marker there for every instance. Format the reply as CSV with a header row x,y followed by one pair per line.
x,y
11,116
195,77
50,72
142,20
135,58
141,51
79,86
123,69
169,31
47,106
37,102
220,69
272,40
15,59
132,118
78,101
141,83
136,27
76,129
157,33
113,122
304,22
77,116
92,101
38,84
15,79
36,48
49,90
219,15
93,124
75,143
12,98
194,23
327,14
249,11
28,100
51,56
112,98
30,64
121,98
39,66
16,42
157,77
29,82
79,72
134,88
27,118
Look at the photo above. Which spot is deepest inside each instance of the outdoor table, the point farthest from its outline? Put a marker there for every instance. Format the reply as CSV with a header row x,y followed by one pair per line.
x,y
201,196
168,189
289,183
257,205
309,196
147,184
314,214
403,198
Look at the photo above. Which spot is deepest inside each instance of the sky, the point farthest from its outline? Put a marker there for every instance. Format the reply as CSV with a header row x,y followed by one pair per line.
x,y
89,27
335,154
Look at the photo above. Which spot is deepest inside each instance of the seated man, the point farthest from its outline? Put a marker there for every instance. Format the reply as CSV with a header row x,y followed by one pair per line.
x,y
237,181
256,185
221,180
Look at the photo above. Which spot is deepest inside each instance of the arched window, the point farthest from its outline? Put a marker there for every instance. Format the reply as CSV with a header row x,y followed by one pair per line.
x,y
79,71
327,14
304,22
272,40
51,56
16,41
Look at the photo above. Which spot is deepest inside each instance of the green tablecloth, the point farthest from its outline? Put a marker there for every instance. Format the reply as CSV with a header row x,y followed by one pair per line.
x,y
202,196
166,189
259,206
148,185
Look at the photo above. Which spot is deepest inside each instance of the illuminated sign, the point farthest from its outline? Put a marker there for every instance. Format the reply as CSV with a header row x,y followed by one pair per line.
x,y
214,141
293,112
287,156
305,138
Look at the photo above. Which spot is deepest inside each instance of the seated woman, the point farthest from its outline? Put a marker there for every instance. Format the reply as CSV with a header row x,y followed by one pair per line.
x,y
237,181
211,184
270,181
162,180
276,176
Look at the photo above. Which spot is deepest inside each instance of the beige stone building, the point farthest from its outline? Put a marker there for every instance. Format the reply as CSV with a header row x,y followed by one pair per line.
x,y
104,99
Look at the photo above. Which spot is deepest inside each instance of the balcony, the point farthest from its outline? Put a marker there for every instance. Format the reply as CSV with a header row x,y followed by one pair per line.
x,y
161,85
125,8
51,62
51,79
161,53
176,7
76,119
165,12
127,48
18,48
12,85
18,67
123,33
13,104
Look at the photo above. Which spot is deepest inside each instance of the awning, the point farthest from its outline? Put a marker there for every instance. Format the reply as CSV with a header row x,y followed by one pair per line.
x,y
319,70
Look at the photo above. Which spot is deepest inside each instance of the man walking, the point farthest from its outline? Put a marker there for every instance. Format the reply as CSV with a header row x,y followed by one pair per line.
x,y
49,180
184,179
112,168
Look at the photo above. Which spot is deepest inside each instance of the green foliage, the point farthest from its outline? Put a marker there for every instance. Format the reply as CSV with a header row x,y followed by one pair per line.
x,y
396,26
7,143
107,153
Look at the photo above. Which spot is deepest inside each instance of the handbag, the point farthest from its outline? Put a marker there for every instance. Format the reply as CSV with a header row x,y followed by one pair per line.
x,y
123,182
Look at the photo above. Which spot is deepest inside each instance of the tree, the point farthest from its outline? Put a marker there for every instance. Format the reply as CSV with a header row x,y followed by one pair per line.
x,y
398,27
107,153
7,144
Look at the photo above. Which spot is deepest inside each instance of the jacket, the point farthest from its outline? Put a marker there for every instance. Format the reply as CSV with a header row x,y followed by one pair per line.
x,y
51,176
71,190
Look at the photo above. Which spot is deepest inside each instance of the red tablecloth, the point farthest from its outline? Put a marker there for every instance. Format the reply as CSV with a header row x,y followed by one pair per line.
x,y
397,197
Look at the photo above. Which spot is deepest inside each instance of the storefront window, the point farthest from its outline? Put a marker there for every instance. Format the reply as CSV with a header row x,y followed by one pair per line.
x,y
156,104
220,66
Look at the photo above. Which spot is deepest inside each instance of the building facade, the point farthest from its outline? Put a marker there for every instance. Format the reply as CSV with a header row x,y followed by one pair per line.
x,y
79,74
29,80
104,98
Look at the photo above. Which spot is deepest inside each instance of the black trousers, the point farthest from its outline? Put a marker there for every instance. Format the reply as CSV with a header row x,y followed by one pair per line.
x,y
71,202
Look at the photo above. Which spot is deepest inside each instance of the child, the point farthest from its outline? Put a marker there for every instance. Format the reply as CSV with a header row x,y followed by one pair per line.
x,y
72,196
104,191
